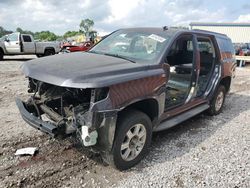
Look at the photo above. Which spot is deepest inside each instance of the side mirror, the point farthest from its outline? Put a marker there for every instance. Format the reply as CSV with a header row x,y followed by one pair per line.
x,y
7,40
166,67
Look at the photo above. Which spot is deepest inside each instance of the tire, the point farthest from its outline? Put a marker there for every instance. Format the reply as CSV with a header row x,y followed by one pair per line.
x,y
39,55
49,52
217,102
135,147
1,55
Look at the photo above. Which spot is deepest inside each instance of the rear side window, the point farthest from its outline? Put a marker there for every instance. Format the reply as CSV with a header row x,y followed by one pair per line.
x,y
26,38
225,45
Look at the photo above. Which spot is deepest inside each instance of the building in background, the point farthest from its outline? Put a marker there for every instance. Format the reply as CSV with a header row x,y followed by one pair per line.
x,y
238,32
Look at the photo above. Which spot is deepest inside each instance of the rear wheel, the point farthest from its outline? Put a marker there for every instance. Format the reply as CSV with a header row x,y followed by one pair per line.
x,y
217,101
49,52
133,137
1,55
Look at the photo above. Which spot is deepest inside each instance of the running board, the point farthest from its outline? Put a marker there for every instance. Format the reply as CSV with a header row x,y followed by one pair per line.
x,y
180,118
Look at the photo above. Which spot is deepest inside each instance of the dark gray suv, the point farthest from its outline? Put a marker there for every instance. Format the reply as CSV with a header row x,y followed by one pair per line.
x,y
132,83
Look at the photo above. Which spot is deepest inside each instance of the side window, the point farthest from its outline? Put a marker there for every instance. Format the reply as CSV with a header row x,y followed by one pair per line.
x,y
26,38
225,45
207,55
13,37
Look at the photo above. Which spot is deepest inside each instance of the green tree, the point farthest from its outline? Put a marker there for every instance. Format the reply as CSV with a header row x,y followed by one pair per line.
x,y
4,31
45,36
86,25
20,30
70,34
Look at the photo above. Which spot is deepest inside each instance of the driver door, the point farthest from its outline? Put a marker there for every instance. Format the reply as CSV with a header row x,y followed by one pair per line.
x,y
12,43
183,58
182,81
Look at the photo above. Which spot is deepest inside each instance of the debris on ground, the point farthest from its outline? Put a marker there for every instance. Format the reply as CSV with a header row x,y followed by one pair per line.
x,y
26,151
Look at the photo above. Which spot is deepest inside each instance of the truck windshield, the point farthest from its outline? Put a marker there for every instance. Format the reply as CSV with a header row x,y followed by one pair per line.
x,y
2,38
140,46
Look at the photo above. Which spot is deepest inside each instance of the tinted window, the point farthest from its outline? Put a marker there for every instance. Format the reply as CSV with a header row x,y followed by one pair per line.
x,y
26,38
225,45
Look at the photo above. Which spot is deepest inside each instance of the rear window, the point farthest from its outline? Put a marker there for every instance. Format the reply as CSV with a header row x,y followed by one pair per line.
x,y
225,45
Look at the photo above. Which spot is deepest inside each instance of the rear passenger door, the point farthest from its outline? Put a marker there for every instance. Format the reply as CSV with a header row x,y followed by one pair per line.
x,y
208,61
28,45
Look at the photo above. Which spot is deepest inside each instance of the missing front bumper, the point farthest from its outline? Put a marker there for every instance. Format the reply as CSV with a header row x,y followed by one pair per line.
x,y
89,139
34,121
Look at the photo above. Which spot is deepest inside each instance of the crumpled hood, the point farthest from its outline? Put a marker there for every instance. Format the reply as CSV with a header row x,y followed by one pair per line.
x,y
84,70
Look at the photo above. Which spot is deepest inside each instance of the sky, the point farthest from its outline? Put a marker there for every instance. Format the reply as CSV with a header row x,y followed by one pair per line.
x,y
60,16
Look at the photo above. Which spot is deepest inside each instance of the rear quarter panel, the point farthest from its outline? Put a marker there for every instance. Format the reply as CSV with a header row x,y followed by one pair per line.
x,y
41,46
227,56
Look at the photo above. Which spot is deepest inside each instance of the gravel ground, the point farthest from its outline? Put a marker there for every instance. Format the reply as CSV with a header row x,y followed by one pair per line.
x,y
201,152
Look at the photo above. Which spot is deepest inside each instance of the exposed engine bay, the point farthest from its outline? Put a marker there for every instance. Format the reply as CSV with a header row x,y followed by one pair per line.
x,y
66,108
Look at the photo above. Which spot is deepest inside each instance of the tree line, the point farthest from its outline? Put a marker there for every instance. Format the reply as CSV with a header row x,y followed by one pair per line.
x,y
85,26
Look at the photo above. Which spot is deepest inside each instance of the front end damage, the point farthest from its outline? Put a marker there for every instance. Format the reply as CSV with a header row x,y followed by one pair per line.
x,y
58,110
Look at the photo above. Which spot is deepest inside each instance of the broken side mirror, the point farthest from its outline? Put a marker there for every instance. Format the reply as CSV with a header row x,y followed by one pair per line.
x,y
166,68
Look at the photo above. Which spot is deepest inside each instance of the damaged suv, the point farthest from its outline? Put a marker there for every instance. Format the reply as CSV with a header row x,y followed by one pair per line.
x,y
134,82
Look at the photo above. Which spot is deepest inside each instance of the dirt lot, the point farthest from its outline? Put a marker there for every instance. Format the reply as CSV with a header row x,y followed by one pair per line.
x,y
201,152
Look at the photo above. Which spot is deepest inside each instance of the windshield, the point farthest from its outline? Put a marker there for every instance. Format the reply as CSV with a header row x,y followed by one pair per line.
x,y
4,37
140,46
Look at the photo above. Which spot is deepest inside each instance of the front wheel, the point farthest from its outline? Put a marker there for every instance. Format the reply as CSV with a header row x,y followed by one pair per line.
x,y
132,139
1,55
217,101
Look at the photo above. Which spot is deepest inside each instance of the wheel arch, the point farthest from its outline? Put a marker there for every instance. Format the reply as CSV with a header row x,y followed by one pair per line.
x,y
1,50
49,48
148,106
226,82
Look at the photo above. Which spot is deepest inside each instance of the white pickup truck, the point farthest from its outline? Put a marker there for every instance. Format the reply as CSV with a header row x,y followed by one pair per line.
x,y
24,44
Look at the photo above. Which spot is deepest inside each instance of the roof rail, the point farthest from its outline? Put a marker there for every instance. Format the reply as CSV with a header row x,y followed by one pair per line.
x,y
212,32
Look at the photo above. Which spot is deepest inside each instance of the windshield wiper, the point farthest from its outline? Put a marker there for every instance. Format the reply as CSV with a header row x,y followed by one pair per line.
x,y
119,56
93,52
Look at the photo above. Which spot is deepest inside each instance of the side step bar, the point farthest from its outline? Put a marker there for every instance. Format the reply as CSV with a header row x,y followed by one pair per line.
x,y
180,118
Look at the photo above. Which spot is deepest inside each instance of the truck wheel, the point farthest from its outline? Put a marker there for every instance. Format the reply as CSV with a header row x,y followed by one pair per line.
x,y
39,55
132,139
49,52
1,55
217,101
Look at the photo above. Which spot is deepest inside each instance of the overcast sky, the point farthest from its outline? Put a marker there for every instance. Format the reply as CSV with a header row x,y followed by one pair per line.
x,y
60,16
